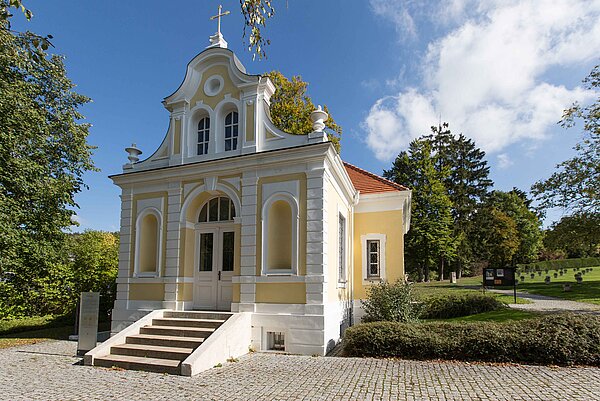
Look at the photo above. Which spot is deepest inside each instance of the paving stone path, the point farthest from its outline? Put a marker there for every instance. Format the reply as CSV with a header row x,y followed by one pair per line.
x,y
544,303
49,371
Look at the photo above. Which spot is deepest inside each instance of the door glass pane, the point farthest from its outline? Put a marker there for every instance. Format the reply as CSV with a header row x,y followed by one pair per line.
x,y
224,206
228,241
213,212
206,252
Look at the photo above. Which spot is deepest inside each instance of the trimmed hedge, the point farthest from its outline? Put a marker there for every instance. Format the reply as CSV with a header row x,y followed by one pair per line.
x,y
451,306
564,339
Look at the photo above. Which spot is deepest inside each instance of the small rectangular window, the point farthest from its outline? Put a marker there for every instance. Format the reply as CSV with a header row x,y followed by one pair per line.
x,y
275,341
342,250
373,259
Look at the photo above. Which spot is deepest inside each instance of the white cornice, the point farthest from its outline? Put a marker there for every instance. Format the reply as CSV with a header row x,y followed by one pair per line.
x,y
226,166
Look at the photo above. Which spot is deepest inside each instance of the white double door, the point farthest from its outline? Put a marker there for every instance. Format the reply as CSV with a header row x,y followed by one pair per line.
x,y
215,255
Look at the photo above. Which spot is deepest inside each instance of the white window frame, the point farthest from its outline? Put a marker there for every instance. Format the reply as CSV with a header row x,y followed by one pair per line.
x,y
138,224
265,235
232,125
342,245
203,143
365,253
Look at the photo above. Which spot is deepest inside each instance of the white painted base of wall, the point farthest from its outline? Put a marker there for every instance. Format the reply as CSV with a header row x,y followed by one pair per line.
x,y
357,311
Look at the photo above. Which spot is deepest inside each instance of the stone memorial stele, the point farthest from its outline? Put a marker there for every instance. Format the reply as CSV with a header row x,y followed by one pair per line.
x,y
88,321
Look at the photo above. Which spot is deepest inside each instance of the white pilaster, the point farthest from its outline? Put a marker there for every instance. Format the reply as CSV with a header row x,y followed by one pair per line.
x,y
249,231
173,243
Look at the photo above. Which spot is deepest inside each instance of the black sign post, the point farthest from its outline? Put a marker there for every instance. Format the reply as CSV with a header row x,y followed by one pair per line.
x,y
500,278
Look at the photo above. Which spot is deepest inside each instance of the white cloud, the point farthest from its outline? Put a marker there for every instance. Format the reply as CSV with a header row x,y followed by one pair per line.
x,y
504,161
397,11
486,76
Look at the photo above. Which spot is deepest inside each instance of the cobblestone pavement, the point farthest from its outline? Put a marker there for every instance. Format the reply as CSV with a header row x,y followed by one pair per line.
x,y
49,371
543,303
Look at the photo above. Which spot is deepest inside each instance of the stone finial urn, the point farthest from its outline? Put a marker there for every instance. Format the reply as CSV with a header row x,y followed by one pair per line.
x,y
318,118
134,153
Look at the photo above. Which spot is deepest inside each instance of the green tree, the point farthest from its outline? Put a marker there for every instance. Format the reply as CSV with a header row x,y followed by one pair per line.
x,y
467,183
430,239
43,156
93,259
291,108
577,235
575,185
498,240
527,223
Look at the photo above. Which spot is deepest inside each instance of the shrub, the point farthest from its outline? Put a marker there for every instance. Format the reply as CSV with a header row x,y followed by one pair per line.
x,y
391,302
459,305
564,339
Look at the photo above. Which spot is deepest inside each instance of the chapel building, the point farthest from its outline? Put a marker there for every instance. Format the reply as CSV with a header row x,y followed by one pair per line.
x,y
232,214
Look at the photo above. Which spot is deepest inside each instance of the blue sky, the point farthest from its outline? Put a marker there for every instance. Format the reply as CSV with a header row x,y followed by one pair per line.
x,y
499,71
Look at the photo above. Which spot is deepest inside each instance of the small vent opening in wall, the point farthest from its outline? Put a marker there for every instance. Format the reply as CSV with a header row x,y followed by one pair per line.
x,y
275,341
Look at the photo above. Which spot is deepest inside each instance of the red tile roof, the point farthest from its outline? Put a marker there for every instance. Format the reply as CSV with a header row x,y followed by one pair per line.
x,y
369,183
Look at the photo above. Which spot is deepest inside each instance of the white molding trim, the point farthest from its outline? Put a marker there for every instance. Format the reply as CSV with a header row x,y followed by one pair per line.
x,y
363,245
136,267
293,202
342,281
202,188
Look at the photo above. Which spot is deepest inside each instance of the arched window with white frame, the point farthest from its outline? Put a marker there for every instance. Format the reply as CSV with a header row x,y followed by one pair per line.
x,y
203,136
280,235
231,131
148,243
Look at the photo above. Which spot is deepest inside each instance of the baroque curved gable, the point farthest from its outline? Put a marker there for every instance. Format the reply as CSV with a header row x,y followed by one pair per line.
x,y
219,111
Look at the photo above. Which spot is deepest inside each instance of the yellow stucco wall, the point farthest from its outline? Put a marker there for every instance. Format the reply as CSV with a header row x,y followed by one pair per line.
x,y
185,291
250,123
146,292
228,87
235,292
177,138
281,293
187,256
301,178
390,224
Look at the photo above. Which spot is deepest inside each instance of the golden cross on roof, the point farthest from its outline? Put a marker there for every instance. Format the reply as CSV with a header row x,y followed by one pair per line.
x,y
218,18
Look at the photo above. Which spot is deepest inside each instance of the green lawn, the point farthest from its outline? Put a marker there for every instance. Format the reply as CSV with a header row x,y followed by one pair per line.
x,y
588,291
443,288
32,330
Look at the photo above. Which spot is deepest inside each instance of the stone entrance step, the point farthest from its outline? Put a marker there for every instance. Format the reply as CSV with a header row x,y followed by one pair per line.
x,y
139,363
174,341
181,322
197,332
152,351
162,346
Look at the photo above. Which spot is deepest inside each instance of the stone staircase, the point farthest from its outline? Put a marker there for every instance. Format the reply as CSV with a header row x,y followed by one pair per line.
x,y
163,345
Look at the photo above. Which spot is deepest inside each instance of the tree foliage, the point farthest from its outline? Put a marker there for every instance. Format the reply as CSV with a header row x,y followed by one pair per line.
x,y
578,236
430,237
575,185
467,184
291,108
498,238
527,223
256,13
43,156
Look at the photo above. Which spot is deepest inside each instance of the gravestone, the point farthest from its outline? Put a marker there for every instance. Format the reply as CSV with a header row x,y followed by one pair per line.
x,y
453,277
88,321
